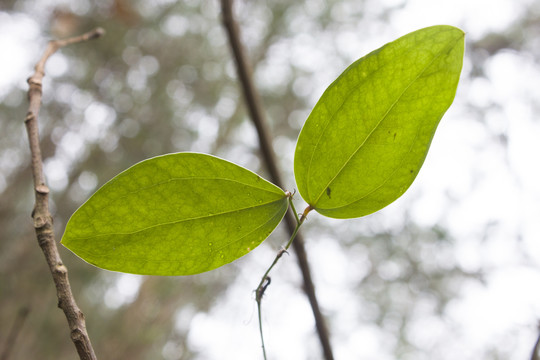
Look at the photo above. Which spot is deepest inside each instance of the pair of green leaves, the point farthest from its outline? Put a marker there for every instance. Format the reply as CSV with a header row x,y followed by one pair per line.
x,y
360,149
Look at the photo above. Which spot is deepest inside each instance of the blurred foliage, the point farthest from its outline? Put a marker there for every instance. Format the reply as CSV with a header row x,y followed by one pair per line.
x,y
162,80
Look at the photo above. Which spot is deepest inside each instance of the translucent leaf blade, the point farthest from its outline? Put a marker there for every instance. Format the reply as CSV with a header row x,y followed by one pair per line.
x,y
366,139
176,214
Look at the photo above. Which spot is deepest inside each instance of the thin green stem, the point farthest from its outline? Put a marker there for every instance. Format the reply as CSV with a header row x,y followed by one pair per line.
x,y
265,280
293,208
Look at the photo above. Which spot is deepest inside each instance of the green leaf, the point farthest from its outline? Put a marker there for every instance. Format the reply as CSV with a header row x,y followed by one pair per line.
x,y
176,214
366,139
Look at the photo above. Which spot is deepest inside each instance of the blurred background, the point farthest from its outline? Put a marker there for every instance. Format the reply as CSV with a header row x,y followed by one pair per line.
x,y
449,271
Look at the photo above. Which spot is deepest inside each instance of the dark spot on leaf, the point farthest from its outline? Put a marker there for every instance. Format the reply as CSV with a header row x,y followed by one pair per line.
x,y
328,192
395,136
411,171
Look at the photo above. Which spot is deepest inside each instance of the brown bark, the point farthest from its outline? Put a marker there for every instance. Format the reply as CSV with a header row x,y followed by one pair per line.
x,y
257,116
43,221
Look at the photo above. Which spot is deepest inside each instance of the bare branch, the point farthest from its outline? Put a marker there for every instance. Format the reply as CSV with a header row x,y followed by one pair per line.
x,y
43,221
257,116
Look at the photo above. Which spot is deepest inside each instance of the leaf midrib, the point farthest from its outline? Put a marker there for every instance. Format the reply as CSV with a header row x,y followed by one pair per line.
x,y
371,74
181,220
251,232
443,51
94,255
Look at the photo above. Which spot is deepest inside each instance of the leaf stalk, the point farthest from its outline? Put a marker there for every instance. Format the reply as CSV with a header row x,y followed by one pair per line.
x,y
265,280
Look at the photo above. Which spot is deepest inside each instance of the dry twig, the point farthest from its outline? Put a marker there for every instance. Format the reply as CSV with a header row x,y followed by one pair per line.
x,y
257,116
43,222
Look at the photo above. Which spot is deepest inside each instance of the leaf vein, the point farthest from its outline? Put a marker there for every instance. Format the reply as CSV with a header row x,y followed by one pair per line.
x,y
390,109
180,221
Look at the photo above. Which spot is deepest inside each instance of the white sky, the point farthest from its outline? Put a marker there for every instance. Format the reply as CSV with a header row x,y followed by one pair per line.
x,y
493,186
